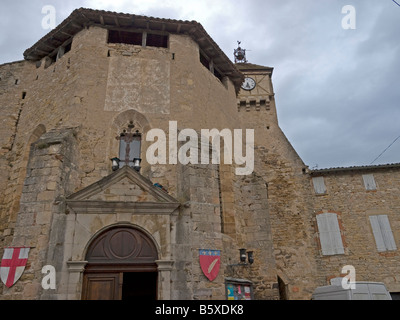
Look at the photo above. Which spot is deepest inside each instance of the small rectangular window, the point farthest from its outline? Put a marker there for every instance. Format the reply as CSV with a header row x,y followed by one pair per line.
x,y
67,48
369,182
218,74
134,38
204,61
382,233
209,64
319,185
156,40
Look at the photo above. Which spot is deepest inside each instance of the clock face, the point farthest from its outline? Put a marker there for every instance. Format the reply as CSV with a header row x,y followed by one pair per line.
x,y
248,84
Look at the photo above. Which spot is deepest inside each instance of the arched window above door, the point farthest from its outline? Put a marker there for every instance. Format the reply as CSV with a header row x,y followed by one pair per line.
x,y
126,247
129,126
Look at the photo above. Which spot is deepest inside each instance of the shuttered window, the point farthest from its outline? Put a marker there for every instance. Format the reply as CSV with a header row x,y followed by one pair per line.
x,y
329,234
369,182
383,233
319,185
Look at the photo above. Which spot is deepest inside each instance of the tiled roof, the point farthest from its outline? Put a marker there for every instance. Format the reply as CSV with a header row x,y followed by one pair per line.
x,y
81,18
355,168
253,67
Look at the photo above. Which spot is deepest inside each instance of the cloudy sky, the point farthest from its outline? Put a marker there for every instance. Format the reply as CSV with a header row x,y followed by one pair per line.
x,y
337,89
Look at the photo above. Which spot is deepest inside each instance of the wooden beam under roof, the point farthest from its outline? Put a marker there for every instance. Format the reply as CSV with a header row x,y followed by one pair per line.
x,y
44,44
41,51
55,39
192,30
201,39
75,25
66,33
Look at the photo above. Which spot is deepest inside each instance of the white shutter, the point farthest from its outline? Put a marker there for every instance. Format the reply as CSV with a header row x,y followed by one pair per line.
x,y
319,185
376,229
383,233
387,232
369,182
336,236
329,234
324,236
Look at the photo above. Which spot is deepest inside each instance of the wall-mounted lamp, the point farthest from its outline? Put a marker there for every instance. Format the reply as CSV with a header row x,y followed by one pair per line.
x,y
136,164
244,256
115,164
250,256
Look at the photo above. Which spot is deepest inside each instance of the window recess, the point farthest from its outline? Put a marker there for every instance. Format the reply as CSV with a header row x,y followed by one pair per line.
x,y
134,38
156,40
204,61
138,38
209,64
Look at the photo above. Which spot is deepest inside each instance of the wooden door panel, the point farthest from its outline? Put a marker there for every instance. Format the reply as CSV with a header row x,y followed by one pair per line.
x,y
102,286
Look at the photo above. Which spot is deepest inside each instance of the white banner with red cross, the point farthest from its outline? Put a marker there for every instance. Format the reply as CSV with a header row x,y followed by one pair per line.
x,y
13,265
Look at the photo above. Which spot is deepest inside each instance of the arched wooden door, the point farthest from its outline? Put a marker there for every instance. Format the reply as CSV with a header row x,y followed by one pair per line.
x,y
121,266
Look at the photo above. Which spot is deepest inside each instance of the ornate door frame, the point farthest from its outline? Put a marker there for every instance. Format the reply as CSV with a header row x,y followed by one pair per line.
x,y
112,253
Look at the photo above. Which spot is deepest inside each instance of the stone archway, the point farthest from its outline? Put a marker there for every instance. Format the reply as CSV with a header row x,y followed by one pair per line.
x,y
121,265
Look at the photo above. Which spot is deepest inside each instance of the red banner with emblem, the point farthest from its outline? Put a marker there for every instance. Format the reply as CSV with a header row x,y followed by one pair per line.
x,y
13,265
210,262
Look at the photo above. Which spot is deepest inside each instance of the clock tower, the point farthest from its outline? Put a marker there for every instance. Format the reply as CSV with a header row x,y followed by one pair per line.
x,y
255,101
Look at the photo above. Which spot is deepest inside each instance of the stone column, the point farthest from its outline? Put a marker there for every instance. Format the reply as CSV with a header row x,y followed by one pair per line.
x,y
164,279
75,269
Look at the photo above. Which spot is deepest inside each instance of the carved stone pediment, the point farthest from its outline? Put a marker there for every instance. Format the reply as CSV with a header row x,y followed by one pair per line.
x,y
124,191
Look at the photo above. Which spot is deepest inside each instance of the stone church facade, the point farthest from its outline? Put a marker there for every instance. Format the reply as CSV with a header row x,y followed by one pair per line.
x,y
93,89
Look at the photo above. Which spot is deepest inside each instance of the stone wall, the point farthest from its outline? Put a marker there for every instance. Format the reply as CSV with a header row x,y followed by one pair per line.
x,y
254,233
198,227
41,219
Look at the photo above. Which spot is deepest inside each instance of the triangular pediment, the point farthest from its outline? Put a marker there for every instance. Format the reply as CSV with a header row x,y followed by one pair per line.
x,y
123,191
